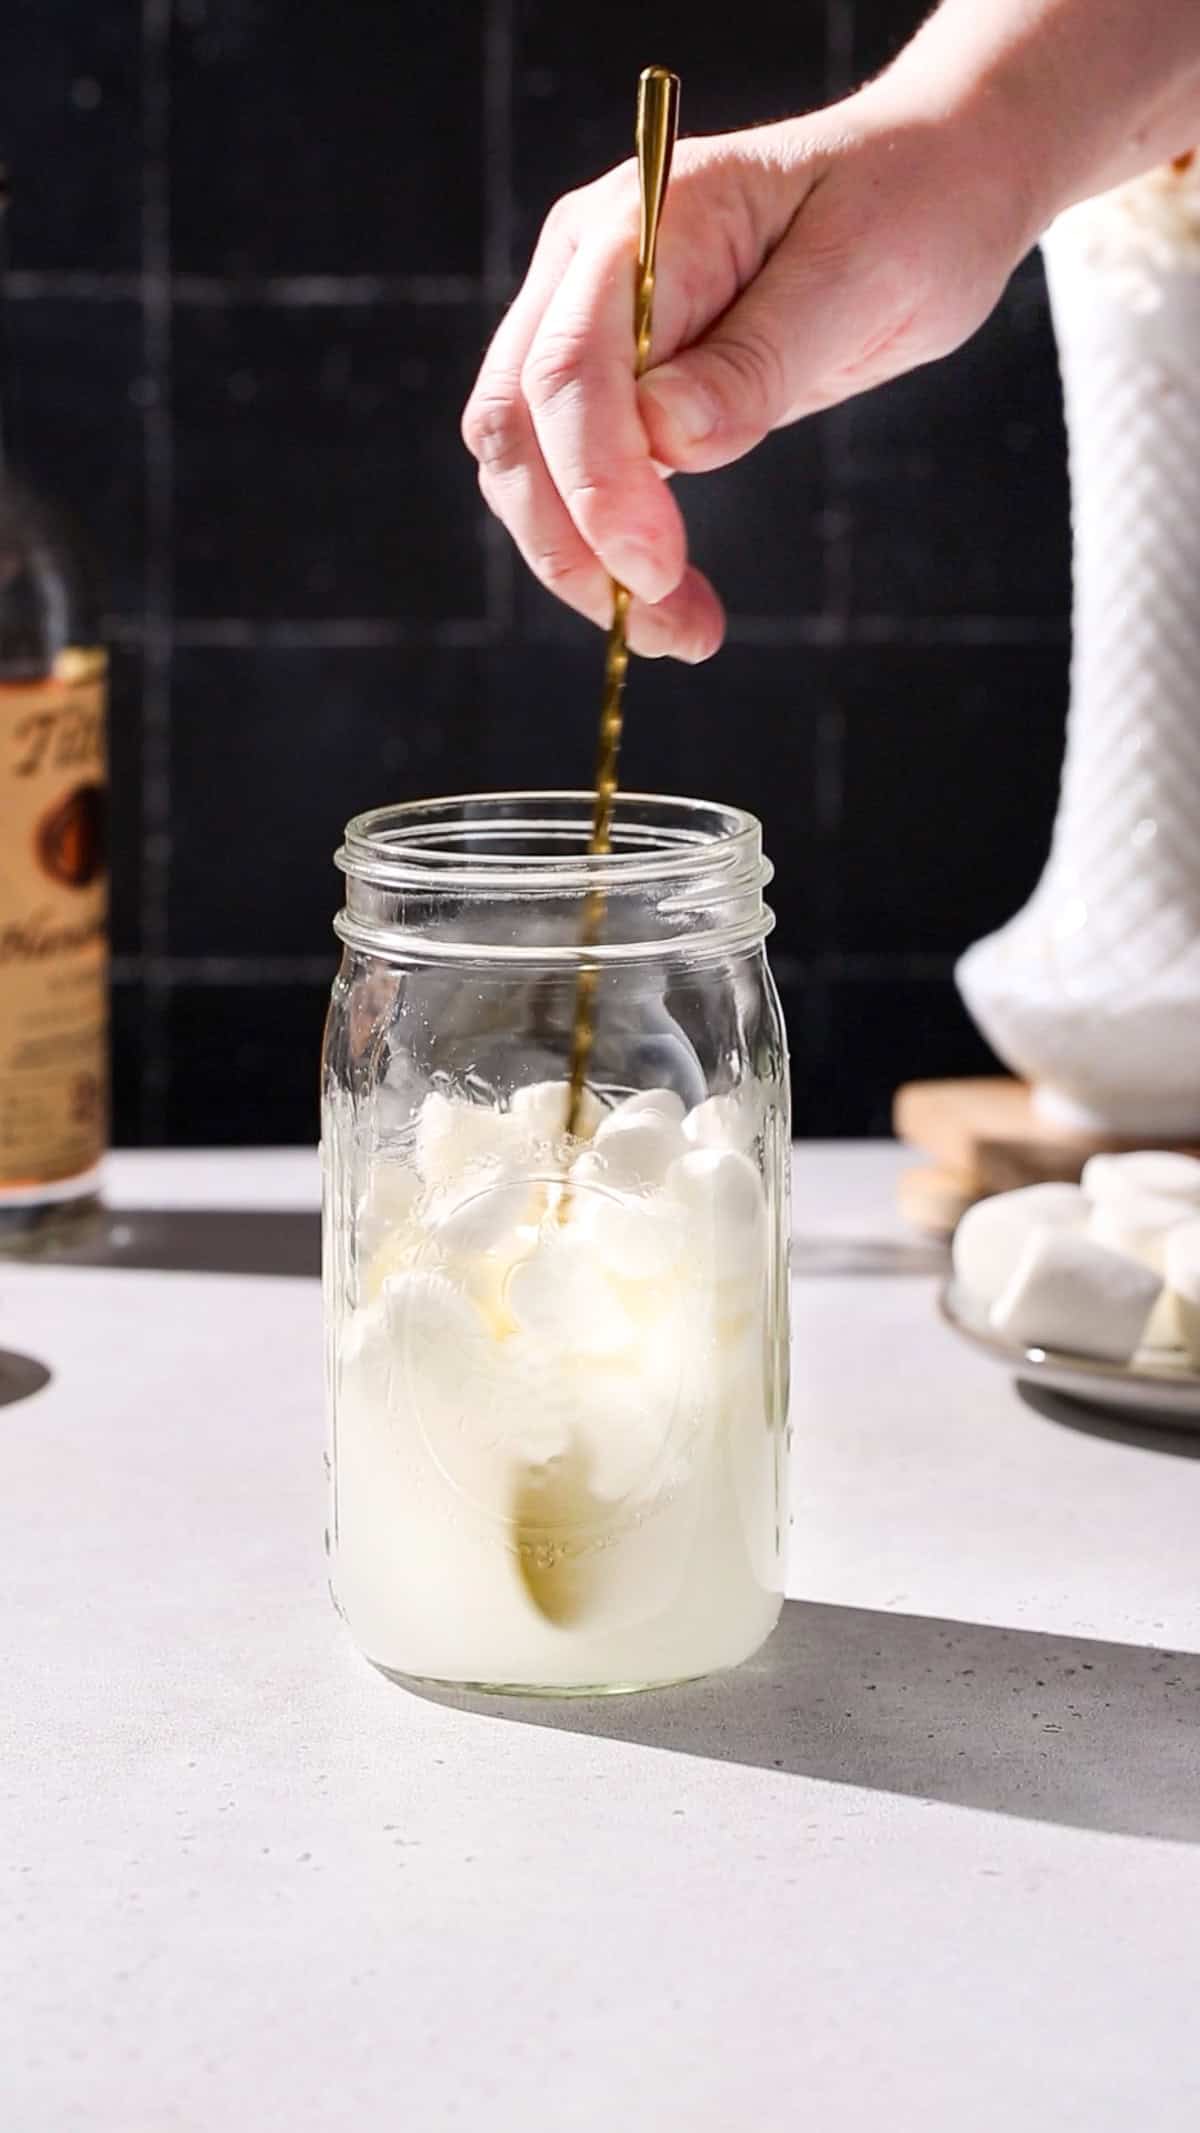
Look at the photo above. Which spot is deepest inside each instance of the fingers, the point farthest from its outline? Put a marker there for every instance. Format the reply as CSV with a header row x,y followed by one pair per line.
x,y
752,372
495,425
498,428
689,624
581,394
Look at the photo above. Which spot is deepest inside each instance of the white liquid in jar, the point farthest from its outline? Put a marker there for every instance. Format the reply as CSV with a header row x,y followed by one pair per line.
x,y
558,1435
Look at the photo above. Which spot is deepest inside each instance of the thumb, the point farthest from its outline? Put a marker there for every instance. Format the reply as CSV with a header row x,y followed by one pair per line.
x,y
752,371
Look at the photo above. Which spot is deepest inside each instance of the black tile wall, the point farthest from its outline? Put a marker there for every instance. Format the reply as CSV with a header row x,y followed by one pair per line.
x,y
244,1063
855,1039
572,112
317,470
128,1085
80,393
310,139
258,250
272,751
760,529
958,498
879,29
948,777
72,132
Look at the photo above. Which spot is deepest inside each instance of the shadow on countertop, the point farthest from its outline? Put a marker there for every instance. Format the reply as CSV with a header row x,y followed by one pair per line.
x,y
212,1240
1174,1438
1051,1729
197,1240
21,1376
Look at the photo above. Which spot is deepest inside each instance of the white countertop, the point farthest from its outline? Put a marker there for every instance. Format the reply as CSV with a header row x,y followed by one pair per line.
x,y
932,1862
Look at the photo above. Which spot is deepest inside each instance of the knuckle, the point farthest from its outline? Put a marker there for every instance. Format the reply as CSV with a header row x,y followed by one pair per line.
x,y
552,369
558,568
755,368
589,498
492,428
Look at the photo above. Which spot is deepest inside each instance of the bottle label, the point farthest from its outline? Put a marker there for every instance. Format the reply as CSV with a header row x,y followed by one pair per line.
x,y
53,925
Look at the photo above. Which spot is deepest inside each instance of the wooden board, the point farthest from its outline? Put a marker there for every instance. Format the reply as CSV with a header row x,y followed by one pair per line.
x,y
985,1136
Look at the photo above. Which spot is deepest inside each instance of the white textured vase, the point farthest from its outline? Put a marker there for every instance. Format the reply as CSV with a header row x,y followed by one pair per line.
x,y
1093,991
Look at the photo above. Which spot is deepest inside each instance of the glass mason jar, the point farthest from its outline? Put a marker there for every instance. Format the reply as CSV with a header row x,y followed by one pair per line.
x,y
557,1365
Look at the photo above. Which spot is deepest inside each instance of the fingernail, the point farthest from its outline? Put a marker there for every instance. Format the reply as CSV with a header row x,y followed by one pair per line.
x,y
690,410
639,568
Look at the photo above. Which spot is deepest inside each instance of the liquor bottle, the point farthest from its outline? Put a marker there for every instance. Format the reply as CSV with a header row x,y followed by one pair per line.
x,y
53,873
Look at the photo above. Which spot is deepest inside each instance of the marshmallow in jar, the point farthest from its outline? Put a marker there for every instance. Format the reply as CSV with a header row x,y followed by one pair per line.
x,y
557,1365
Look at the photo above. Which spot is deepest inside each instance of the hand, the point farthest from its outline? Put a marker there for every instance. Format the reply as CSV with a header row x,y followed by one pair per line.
x,y
798,264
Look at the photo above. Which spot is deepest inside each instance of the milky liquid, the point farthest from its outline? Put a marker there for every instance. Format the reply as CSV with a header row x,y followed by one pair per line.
x,y
558,1442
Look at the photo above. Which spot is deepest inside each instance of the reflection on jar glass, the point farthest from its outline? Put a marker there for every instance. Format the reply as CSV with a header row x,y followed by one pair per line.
x,y
557,1365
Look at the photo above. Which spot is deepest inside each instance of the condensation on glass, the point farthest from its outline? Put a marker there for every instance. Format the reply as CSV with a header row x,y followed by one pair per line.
x,y
557,1365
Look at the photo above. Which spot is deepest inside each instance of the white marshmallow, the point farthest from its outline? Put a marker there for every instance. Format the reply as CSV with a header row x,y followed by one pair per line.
x,y
542,1110
1069,1293
476,1214
1183,1285
721,1196
464,1390
560,1295
992,1235
453,1136
1183,1260
663,1102
729,1121
442,1357
634,1238
637,1149
1149,1170
1137,1224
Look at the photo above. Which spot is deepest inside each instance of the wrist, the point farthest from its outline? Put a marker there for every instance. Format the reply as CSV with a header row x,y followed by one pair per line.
x,y
1067,99
981,142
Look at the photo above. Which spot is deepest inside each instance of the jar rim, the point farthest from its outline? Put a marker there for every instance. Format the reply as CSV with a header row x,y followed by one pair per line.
x,y
658,837
685,876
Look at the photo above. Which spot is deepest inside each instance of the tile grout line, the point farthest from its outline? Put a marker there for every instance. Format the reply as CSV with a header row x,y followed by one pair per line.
x,y
497,178
170,971
754,632
159,477
497,172
283,291
829,747
838,530
839,48
350,633
823,966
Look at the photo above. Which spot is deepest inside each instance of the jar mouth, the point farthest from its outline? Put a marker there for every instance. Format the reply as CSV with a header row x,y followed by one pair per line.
x,y
539,840
505,874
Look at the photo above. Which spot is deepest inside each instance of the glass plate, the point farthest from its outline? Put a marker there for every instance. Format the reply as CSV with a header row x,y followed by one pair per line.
x,y
1158,1385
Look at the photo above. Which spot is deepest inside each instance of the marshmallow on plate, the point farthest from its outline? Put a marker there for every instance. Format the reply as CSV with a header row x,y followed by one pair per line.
x,y
1148,1170
1183,1284
1139,1224
992,1235
1069,1293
